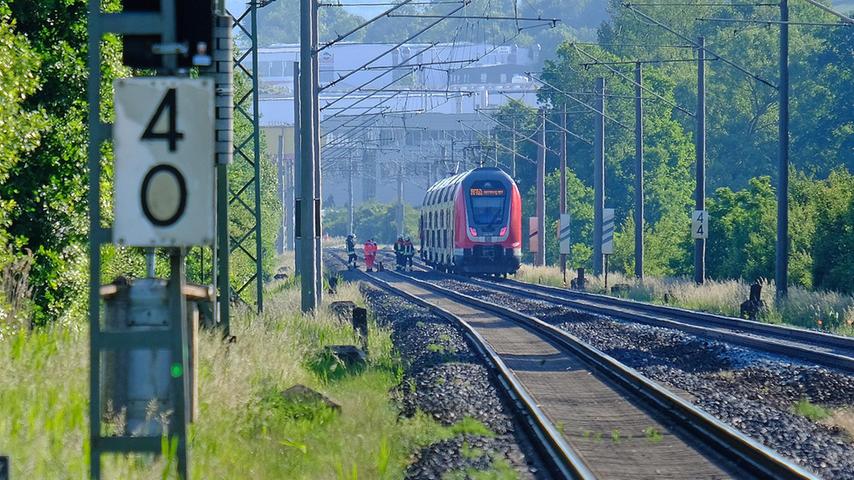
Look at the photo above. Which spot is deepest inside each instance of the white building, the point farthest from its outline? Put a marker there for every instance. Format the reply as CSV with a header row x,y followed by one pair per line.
x,y
415,113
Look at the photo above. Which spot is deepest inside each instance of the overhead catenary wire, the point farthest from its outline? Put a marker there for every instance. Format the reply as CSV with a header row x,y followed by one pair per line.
x,y
398,45
632,82
364,24
580,102
732,64
762,21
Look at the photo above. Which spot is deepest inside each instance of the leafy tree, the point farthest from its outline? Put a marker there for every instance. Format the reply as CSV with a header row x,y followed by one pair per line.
x,y
47,188
373,220
833,266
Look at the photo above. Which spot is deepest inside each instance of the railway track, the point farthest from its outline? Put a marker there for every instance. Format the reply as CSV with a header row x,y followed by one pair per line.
x,y
593,417
821,348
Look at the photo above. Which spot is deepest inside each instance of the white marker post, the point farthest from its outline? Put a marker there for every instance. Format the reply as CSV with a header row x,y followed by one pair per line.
x,y
607,238
700,224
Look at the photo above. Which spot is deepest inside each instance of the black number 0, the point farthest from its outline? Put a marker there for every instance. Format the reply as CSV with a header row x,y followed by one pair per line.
x,y
172,135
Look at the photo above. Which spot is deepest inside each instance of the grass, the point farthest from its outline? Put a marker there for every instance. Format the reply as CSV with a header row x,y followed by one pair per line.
x,y
245,428
829,311
810,410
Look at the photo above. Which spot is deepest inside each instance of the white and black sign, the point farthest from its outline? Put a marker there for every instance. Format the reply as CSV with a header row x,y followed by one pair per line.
x,y
700,224
533,234
164,148
607,231
563,234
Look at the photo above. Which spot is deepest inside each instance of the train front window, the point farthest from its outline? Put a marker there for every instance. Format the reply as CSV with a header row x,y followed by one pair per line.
x,y
487,203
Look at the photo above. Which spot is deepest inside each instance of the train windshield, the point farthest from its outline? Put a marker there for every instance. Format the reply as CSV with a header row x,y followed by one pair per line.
x,y
487,203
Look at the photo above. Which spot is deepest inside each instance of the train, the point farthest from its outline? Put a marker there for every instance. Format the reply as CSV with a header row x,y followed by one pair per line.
x,y
471,223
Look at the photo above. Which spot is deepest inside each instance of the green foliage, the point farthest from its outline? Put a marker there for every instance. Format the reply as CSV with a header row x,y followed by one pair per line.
x,y
810,410
372,220
833,266
44,193
742,231
471,426
741,147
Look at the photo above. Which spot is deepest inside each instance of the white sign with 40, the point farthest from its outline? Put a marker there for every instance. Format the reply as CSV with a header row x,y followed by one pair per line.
x,y
164,167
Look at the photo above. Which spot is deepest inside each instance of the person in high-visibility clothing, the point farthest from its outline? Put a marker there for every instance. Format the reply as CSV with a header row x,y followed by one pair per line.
x,y
351,251
408,253
398,253
370,254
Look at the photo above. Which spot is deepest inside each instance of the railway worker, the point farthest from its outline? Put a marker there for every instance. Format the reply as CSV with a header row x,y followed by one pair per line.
x,y
408,253
370,254
351,251
398,253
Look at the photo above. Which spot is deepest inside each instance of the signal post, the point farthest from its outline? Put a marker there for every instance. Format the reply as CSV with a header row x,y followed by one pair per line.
x,y
165,197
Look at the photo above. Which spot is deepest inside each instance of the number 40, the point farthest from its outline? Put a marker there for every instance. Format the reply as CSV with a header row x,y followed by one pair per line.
x,y
172,135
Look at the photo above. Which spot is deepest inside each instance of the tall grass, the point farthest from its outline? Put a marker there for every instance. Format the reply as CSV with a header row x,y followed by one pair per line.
x,y
822,310
243,430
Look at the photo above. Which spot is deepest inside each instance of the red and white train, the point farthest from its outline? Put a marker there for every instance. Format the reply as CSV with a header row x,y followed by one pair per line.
x,y
472,223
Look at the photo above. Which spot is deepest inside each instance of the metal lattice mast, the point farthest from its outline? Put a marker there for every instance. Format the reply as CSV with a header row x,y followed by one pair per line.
x,y
247,195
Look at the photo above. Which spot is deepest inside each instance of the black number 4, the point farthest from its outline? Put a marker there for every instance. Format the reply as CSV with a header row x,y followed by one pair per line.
x,y
172,135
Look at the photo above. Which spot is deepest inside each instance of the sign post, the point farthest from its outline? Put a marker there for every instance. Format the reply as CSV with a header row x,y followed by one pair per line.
x,y
700,225
533,235
164,197
607,238
564,241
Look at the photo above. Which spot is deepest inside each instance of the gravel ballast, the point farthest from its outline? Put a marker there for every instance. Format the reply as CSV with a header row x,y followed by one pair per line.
x,y
447,380
753,391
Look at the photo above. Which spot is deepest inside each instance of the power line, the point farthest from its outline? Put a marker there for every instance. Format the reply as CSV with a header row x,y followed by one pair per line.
x,y
583,104
769,22
419,32
713,4
552,21
632,81
363,25
692,42
387,4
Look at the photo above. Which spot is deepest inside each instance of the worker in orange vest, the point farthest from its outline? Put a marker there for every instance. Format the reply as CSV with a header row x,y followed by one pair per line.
x,y
370,254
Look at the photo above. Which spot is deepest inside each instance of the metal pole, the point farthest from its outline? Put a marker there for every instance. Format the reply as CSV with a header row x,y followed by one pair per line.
x,y
307,145
700,148
598,176
97,134
540,258
514,150
178,312
782,271
289,202
224,87
315,106
563,180
400,219
256,140
495,145
297,172
350,208
280,166
638,172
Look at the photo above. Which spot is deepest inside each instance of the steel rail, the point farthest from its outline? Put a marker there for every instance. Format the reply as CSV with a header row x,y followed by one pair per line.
x,y
729,329
551,444
747,452
832,351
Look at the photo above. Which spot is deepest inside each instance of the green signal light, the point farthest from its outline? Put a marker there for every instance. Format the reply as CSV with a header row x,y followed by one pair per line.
x,y
176,370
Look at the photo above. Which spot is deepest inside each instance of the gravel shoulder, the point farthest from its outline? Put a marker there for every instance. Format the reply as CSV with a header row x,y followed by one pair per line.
x,y
446,379
752,391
